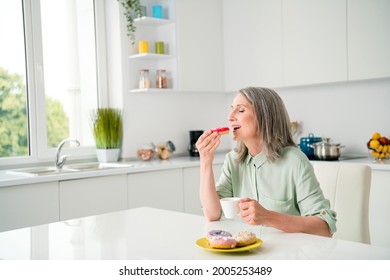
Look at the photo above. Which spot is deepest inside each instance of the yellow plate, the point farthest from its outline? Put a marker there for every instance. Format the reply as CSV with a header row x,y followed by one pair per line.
x,y
204,243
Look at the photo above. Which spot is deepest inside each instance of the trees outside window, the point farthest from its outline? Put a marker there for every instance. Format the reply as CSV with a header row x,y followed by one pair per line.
x,y
14,121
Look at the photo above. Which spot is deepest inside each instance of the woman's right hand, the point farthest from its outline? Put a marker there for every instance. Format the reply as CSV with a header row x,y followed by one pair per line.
x,y
207,143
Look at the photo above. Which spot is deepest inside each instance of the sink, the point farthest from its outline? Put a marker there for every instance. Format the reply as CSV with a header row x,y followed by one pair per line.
x,y
42,171
32,172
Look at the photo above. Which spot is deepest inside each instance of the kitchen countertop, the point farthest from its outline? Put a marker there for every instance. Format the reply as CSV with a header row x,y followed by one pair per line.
x,y
383,165
134,166
7,179
150,234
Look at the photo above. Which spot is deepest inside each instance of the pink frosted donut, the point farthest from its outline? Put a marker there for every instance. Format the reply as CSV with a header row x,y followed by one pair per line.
x,y
221,130
221,239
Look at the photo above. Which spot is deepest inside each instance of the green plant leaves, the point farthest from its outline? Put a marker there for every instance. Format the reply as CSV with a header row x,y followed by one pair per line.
x,y
107,128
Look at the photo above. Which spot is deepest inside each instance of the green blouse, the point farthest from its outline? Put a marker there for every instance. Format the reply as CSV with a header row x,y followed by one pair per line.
x,y
287,185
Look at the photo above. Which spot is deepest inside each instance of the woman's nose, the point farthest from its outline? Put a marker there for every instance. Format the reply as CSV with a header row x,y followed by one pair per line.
x,y
231,116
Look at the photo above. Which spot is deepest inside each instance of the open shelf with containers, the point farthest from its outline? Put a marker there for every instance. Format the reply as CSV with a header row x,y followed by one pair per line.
x,y
151,29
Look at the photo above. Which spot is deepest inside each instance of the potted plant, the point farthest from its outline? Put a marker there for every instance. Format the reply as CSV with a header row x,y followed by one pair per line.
x,y
132,9
107,131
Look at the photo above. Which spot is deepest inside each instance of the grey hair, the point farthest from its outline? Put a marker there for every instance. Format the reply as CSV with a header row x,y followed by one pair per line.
x,y
272,120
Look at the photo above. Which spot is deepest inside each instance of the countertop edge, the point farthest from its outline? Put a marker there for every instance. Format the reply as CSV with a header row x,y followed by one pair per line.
x,y
8,180
380,165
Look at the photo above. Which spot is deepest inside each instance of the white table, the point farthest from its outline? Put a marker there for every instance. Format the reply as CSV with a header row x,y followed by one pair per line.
x,y
147,233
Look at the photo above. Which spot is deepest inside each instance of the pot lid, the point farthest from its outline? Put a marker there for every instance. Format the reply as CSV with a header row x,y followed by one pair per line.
x,y
326,144
311,138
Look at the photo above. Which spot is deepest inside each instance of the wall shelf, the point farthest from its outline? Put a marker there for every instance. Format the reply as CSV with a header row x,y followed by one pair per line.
x,y
175,91
153,30
151,56
151,21
152,90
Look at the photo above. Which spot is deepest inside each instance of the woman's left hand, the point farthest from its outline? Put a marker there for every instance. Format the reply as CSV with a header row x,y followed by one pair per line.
x,y
252,212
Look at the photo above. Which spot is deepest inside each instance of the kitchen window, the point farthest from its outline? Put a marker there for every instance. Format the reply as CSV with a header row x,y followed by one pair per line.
x,y
13,95
49,73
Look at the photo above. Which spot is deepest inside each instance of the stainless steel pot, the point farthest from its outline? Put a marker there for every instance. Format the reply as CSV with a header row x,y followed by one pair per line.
x,y
327,151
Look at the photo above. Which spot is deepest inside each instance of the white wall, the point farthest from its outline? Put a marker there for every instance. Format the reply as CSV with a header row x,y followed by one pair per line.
x,y
348,113
158,117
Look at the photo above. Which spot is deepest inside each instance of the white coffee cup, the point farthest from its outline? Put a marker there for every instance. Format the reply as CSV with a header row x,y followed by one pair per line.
x,y
230,207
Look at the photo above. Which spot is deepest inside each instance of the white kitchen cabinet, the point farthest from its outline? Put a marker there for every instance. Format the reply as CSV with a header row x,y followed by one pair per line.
x,y
91,196
28,205
379,208
314,41
158,189
284,43
252,36
199,44
368,39
191,188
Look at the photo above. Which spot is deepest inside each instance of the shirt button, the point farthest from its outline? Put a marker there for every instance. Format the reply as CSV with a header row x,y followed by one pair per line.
x,y
323,212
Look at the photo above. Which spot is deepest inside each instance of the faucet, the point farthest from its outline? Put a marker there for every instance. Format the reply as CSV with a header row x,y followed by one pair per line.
x,y
60,161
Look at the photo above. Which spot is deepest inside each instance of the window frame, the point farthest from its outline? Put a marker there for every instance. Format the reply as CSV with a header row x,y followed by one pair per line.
x,y
36,108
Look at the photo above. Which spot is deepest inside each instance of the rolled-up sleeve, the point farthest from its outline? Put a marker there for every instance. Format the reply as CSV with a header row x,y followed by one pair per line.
x,y
329,216
310,198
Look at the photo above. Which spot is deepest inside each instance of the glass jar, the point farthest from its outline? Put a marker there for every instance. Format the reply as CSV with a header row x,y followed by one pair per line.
x,y
161,79
146,152
144,81
165,150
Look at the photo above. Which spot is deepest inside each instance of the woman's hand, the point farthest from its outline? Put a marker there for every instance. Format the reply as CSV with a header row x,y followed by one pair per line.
x,y
252,212
207,143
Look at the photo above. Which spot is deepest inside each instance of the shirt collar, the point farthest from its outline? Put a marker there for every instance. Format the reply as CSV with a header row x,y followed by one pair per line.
x,y
257,160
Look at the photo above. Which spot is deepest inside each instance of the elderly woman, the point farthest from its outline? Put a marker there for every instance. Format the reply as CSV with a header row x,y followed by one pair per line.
x,y
273,177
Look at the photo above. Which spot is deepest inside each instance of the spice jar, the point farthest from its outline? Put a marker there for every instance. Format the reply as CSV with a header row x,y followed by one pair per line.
x,y
144,81
165,150
146,152
159,47
161,79
143,47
